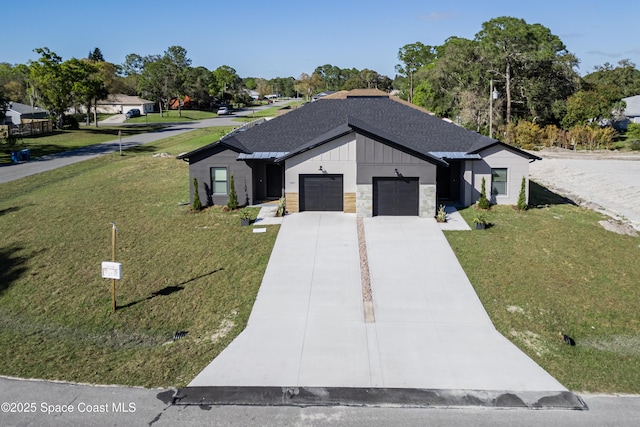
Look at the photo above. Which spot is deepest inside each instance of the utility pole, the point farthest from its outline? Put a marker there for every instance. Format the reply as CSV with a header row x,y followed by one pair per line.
x,y
493,94
491,109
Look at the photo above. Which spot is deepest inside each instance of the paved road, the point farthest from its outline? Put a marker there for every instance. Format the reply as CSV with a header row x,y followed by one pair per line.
x,y
152,408
12,172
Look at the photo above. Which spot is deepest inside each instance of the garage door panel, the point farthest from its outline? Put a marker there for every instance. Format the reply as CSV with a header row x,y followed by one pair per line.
x,y
384,195
395,196
321,193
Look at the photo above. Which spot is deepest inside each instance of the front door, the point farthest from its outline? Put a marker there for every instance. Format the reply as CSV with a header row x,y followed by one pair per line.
x,y
274,181
448,182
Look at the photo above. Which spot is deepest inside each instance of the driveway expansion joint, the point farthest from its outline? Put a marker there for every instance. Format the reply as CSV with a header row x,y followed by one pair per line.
x,y
365,277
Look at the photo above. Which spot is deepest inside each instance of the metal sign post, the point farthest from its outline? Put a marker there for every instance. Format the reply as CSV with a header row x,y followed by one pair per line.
x,y
113,257
120,139
112,270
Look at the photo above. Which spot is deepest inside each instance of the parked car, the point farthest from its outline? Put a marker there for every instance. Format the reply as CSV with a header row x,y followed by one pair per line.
x,y
223,111
134,112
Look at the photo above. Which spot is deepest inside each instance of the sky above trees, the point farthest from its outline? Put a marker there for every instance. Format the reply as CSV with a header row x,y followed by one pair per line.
x,y
287,38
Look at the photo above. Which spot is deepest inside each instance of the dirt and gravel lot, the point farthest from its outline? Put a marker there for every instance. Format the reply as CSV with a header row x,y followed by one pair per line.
x,y
605,181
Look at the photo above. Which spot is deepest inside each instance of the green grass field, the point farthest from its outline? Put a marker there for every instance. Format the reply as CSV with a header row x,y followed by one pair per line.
x,y
553,269
183,271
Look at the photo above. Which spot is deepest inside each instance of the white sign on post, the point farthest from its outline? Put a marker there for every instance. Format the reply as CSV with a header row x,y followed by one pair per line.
x,y
111,270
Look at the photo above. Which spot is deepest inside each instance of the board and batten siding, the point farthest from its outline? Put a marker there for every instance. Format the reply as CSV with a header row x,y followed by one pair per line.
x,y
499,156
376,159
335,157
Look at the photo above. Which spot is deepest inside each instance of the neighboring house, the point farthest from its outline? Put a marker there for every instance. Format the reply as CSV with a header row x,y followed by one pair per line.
x,y
322,95
120,104
18,113
631,112
359,151
174,103
253,94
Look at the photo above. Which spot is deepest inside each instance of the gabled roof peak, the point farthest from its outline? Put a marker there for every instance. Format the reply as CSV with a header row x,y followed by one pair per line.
x,y
357,93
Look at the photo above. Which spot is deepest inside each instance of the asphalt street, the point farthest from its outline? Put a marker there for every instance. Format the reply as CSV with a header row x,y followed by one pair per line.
x,y
44,403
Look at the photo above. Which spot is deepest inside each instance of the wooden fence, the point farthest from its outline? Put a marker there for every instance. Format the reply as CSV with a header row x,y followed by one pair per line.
x,y
30,128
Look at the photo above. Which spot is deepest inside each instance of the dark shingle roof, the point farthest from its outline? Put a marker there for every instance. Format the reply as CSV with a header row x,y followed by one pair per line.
x,y
416,129
26,109
317,122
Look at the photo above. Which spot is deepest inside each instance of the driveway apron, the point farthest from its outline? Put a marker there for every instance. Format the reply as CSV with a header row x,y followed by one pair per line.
x,y
307,326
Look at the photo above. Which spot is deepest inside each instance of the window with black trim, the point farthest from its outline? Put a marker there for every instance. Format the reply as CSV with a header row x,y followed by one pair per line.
x,y
499,181
219,181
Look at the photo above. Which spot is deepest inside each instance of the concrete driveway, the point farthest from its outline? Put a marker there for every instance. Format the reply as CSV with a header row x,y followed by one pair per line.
x,y
307,327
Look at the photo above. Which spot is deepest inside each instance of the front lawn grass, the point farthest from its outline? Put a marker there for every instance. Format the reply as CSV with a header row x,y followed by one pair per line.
x,y
551,269
65,140
182,271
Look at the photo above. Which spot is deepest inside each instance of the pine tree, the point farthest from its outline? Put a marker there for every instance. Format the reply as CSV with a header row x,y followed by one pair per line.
x,y
483,202
522,198
96,55
232,204
197,205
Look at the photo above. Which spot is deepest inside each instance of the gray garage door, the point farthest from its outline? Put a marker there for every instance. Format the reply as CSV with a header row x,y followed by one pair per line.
x,y
395,196
321,193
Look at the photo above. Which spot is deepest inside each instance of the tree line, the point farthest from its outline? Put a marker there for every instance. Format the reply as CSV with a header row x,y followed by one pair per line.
x,y
538,93
59,85
525,77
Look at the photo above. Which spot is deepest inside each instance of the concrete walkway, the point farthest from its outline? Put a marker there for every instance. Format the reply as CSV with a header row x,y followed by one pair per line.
x,y
307,326
454,220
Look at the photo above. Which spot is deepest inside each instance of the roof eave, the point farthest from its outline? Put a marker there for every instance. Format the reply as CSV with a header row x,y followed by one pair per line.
x,y
221,142
531,157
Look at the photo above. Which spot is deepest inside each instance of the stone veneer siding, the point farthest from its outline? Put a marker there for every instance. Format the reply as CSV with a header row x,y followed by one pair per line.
x,y
364,200
427,203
